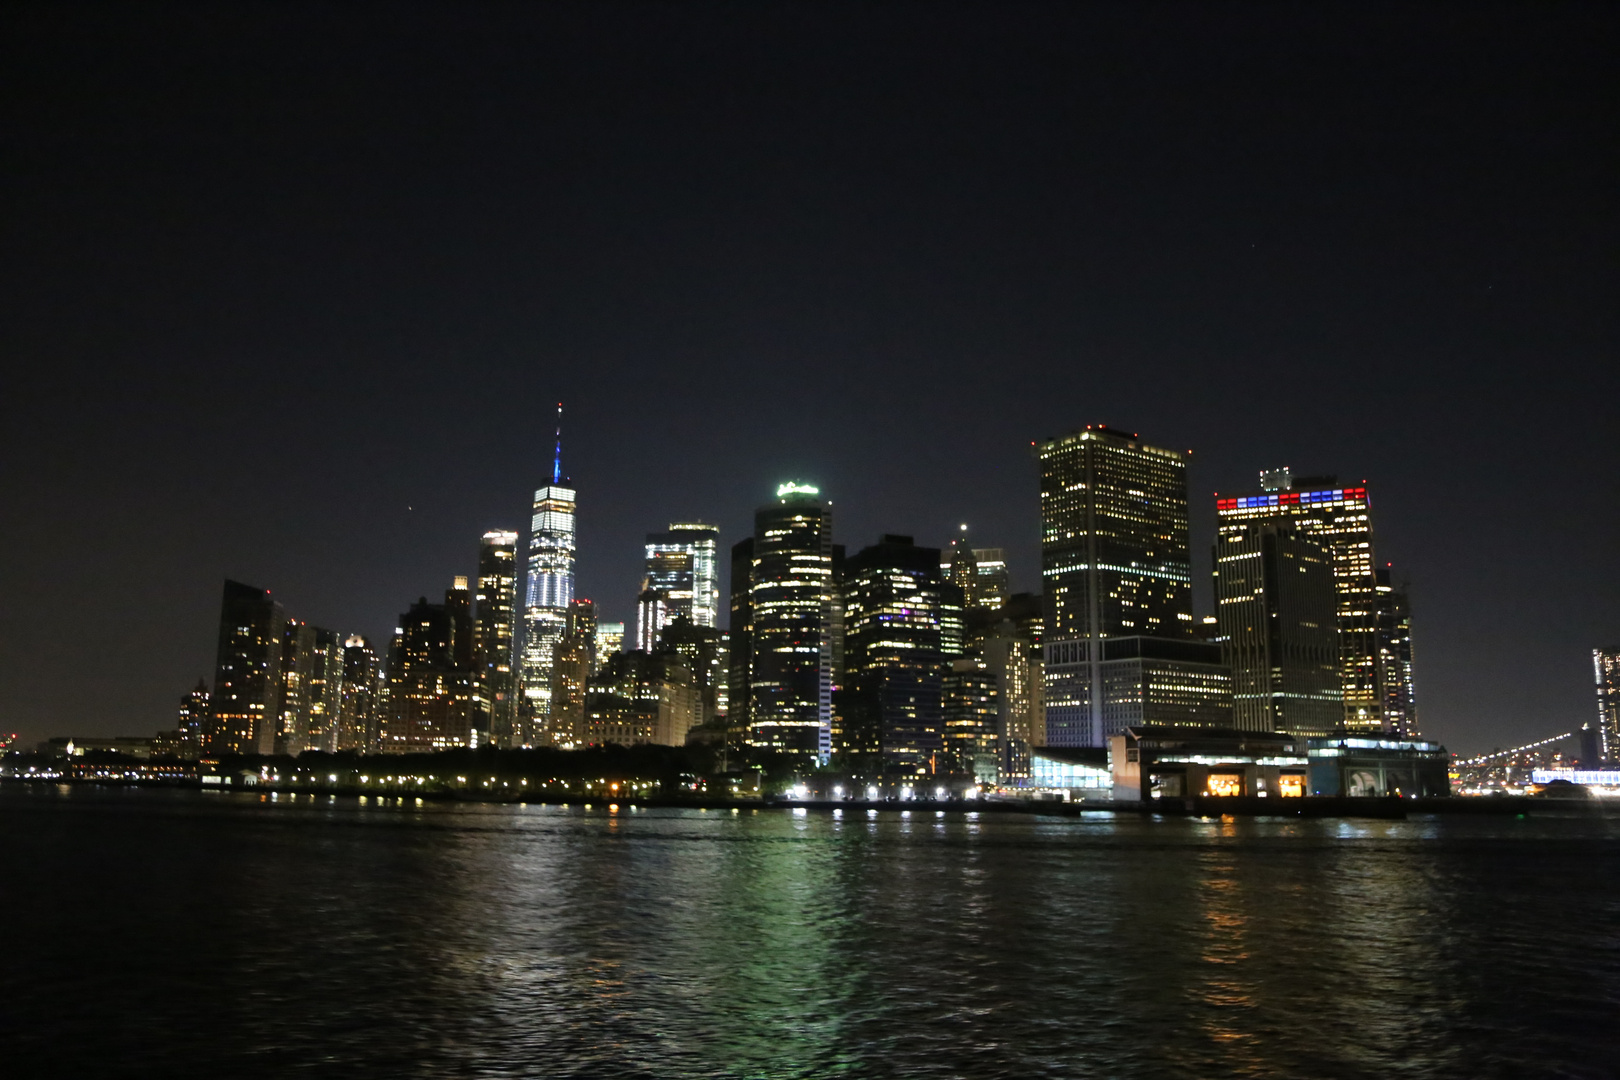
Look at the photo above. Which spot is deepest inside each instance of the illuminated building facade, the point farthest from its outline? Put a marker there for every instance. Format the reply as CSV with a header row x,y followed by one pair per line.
x,y
971,719
247,672
430,676
703,650
191,723
683,565
1396,695
292,703
1278,626
953,611
573,664
359,718
1339,518
791,607
1116,566
1154,762
640,698
494,632
981,573
1606,669
991,585
609,640
550,585
893,658
323,690
1140,680
1374,767
311,682
651,614
1013,656
958,565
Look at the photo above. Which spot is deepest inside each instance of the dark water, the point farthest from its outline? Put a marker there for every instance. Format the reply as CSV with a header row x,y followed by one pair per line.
x,y
178,933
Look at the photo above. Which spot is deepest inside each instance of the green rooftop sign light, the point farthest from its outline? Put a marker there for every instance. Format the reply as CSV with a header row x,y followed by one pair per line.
x,y
794,488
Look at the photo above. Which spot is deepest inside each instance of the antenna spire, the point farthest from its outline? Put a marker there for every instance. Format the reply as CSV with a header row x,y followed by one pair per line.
x,y
556,461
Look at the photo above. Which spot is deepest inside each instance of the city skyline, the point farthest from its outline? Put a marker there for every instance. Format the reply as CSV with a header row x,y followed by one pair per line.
x,y
1116,562
1225,506
886,292
850,538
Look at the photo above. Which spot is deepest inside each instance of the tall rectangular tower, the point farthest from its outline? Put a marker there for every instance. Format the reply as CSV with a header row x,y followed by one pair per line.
x,y
893,658
791,597
1397,698
1115,562
247,672
293,702
1278,615
431,676
359,719
682,567
550,585
573,664
1339,518
1606,668
495,701
1114,536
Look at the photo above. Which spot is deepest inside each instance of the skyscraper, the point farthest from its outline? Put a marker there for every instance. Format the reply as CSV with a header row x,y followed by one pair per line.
x,y
1339,518
192,721
1118,642
1114,537
1278,627
323,690
1606,669
551,582
893,658
791,605
682,566
574,662
359,720
651,614
430,676
1397,698
247,672
703,650
958,565
293,698
971,719
1012,654
495,703
981,573
609,641
991,585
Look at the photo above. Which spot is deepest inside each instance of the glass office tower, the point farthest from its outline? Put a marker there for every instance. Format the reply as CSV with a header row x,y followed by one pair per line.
x,y
791,616
1606,669
359,713
494,631
893,658
682,565
1339,518
1114,537
550,586
247,672
1277,615
1119,645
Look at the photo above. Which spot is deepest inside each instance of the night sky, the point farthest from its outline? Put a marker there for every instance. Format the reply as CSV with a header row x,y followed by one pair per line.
x,y
288,294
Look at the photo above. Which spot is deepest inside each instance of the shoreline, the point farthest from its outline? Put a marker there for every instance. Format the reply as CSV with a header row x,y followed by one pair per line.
x,y
1207,806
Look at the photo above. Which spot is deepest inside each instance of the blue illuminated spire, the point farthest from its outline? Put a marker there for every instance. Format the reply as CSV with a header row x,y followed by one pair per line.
x,y
556,461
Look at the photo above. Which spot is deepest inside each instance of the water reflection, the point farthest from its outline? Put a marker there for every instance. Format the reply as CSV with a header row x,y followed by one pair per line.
x,y
535,940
